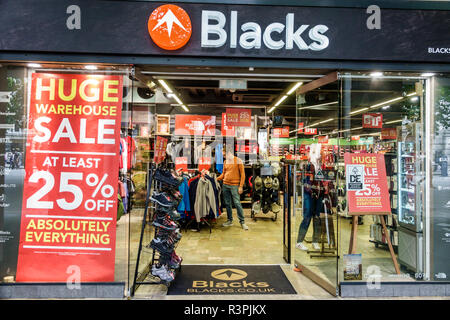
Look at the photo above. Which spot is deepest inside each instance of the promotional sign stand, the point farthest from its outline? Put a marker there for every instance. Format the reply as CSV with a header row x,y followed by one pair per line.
x,y
354,234
367,194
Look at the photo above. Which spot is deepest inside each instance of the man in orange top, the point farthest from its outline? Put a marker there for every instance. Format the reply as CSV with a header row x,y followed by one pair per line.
x,y
233,177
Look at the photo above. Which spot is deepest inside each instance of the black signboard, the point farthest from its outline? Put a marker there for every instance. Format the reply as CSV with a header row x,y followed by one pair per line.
x,y
281,32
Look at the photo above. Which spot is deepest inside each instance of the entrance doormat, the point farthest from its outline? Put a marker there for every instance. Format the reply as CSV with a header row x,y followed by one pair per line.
x,y
236,279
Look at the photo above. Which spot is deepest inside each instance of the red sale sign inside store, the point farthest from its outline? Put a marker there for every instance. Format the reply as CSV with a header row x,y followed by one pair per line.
x,y
160,149
280,132
366,184
227,131
310,131
190,124
372,120
239,117
204,163
181,163
69,205
388,133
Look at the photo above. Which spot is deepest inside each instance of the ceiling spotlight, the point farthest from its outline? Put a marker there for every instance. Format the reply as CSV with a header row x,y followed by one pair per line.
x,y
427,74
34,65
90,67
414,99
376,74
385,107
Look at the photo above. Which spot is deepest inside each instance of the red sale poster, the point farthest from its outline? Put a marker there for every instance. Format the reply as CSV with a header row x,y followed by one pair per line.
x,y
160,149
181,163
372,120
280,132
388,134
310,131
366,183
68,224
227,131
204,163
239,117
189,124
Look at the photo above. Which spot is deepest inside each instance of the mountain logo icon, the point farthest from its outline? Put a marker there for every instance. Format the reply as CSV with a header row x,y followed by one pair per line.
x,y
229,274
169,27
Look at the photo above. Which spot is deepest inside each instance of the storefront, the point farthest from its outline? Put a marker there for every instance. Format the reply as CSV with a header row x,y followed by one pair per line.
x,y
342,130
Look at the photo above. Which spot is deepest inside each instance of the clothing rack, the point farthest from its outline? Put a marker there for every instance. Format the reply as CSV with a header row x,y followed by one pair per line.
x,y
202,219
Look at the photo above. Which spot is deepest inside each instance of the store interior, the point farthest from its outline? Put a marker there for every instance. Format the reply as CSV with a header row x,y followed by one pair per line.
x,y
331,121
295,118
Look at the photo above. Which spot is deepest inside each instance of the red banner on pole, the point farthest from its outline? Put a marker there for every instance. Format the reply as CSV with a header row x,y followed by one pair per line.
x,y
69,210
372,120
300,127
239,117
366,183
199,125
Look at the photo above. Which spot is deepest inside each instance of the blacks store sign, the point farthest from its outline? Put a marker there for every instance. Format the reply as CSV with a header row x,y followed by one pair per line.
x,y
207,30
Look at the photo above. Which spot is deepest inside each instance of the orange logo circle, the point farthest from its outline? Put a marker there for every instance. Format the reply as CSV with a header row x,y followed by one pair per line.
x,y
169,27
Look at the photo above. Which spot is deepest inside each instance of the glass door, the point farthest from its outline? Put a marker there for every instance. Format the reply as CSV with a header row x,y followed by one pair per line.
x,y
383,113
317,181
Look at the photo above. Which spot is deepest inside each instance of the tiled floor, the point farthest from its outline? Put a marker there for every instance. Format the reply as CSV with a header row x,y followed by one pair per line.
x,y
261,244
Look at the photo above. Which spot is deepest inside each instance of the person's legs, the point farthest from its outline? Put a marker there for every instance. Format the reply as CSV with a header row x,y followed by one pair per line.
x,y
227,199
307,215
317,226
237,203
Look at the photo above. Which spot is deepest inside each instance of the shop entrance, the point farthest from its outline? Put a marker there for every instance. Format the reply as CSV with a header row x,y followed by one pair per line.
x,y
377,115
192,113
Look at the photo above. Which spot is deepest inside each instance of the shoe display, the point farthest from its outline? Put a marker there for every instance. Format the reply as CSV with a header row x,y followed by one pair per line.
x,y
167,230
162,273
227,224
301,246
161,246
162,199
167,178
164,222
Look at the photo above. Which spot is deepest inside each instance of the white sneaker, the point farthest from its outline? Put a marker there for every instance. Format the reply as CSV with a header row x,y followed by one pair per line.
x,y
301,246
316,246
227,224
244,226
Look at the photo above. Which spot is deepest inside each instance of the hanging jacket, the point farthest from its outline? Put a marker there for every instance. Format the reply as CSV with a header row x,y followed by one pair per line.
x,y
205,201
185,204
219,158
192,183
215,187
